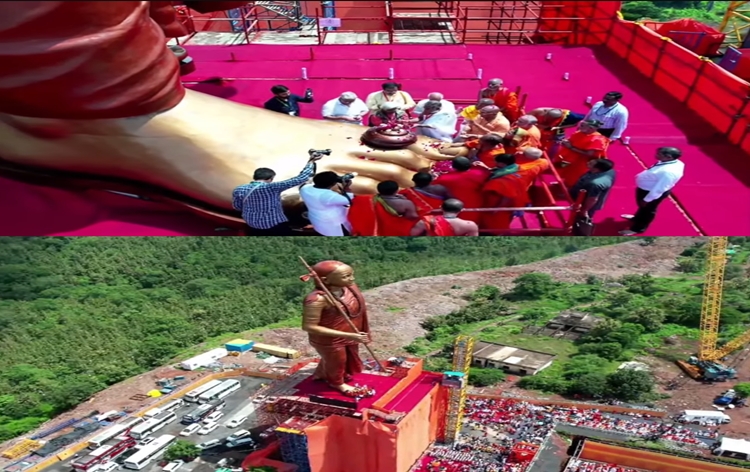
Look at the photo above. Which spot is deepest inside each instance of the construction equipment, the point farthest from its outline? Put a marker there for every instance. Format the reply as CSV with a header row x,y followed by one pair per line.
x,y
706,365
736,24
463,348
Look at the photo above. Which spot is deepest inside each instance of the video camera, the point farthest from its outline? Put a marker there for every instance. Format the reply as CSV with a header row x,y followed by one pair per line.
x,y
319,152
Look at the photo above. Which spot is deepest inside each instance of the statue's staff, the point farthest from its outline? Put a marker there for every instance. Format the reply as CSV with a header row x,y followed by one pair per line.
x,y
333,301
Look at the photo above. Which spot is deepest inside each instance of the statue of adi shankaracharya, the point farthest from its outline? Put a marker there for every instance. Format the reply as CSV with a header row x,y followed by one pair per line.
x,y
334,338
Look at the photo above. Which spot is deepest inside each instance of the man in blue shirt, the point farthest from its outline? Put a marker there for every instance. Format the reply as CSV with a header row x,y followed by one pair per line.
x,y
597,183
260,200
285,102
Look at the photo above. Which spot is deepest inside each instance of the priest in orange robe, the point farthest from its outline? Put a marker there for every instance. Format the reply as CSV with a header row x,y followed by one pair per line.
x,y
532,163
425,195
507,187
503,97
465,184
524,134
384,214
483,149
584,145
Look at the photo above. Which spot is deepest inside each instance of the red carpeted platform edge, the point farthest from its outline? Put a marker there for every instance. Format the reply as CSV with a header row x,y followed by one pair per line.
x,y
380,383
405,401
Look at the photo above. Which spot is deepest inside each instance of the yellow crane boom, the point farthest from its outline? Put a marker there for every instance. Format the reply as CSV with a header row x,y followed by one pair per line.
x,y
736,23
713,286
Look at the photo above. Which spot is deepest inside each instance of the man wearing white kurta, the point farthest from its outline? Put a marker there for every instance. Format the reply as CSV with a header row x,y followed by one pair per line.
x,y
435,123
347,109
448,107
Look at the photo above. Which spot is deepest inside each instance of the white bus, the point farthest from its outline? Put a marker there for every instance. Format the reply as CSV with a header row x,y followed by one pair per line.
x,y
192,396
150,426
172,406
201,412
87,461
220,391
142,458
129,424
106,435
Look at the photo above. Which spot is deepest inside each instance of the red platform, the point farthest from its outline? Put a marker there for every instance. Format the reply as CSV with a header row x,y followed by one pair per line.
x,y
382,384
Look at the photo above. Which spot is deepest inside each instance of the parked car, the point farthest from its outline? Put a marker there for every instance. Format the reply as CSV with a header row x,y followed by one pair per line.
x,y
172,466
108,466
238,435
209,444
208,428
190,429
213,417
234,422
259,399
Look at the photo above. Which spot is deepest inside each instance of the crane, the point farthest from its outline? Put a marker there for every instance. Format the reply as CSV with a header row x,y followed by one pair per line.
x,y
457,382
706,364
736,23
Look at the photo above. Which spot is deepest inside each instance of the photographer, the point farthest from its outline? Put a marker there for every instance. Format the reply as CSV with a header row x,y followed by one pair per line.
x,y
328,201
260,200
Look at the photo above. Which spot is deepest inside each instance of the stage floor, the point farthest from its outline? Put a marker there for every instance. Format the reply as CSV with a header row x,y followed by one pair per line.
x,y
712,198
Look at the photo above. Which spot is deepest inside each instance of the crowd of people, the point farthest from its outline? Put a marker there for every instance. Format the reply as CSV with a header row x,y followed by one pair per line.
x,y
579,465
529,421
495,152
503,434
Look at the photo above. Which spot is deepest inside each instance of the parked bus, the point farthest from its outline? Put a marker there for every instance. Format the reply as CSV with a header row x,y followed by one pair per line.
x,y
172,406
129,424
153,413
220,391
150,426
143,457
201,412
192,396
106,435
102,455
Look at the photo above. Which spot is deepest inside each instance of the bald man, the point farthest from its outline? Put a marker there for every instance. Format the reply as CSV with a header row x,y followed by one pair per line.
x,y
446,105
348,108
552,122
447,224
490,120
503,97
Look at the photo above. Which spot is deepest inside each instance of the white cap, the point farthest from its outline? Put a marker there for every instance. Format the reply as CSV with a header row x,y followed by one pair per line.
x,y
387,106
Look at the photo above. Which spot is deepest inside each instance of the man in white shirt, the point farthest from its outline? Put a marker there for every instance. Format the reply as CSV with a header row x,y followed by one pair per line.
x,y
612,114
347,108
654,185
435,123
327,202
448,106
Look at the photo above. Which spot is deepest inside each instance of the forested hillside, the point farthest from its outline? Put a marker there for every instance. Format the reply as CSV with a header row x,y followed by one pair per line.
x,y
709,12
79,314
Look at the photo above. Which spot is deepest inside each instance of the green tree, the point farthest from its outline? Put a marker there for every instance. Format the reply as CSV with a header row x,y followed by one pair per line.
x,y
182,449
609,351
583,364
743,389
629,384
643,284
591,385
533,286
480,377
651,318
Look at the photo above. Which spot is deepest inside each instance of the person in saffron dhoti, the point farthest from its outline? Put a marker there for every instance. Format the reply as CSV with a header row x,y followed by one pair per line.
x,y
329,332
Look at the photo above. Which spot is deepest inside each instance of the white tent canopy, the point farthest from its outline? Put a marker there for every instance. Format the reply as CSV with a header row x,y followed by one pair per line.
x,y
735,447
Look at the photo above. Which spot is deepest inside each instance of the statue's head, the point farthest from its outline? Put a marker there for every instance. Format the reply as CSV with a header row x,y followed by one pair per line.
x,y
334,273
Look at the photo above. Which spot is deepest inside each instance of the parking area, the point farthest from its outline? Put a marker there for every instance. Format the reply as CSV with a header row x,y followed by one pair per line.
x,y
237,404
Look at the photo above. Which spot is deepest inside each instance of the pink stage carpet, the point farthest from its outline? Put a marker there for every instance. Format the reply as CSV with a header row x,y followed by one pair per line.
x,y
380,383
410,397
713,198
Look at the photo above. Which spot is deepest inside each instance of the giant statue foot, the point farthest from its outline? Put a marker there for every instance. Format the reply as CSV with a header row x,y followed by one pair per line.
x,y
206,146
93,97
